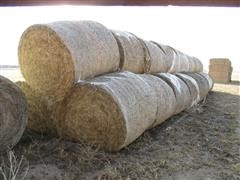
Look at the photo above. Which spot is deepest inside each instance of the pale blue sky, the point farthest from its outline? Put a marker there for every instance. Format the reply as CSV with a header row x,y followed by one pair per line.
x,y
200,31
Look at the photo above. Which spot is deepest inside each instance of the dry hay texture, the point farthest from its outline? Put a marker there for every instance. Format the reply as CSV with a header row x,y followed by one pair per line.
x,y
192,86
40,111
54,56
13,114
164,94
220,70
181,91
131,49
203,82
110,111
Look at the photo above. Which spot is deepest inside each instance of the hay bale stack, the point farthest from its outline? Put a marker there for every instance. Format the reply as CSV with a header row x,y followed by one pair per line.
x,y
181,91
157,58
54,56
110,111
209,79
203,84
220,70
40,111
132,54
13,114
166,100
192,86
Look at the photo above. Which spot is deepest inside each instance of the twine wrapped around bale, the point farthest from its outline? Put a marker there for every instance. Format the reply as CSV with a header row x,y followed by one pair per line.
x,y
13,114
132,55
181,91
110,111
192,86
54,56
157,58
166,100
39,111
202,82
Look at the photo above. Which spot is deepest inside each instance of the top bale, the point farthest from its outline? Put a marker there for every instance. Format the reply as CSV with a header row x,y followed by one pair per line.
x,y
54,56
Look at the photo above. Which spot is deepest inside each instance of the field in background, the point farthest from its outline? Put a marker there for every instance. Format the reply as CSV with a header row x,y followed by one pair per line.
x,y
200,143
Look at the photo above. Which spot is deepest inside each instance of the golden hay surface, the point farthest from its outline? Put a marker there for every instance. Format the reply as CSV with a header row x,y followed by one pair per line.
x,y
110,111
181,91
192,86
40,111
13,114
132,55
166,100
223,61
203,84
54,56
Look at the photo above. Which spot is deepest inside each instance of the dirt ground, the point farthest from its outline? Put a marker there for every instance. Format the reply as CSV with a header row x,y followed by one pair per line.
x,y
201,143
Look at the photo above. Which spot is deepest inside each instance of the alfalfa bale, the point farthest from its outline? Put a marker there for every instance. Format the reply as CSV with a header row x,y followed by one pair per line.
x,y
109,111
166,100
192,86
13,114
132,54
157,58
53,56
39,110
181,91
202,82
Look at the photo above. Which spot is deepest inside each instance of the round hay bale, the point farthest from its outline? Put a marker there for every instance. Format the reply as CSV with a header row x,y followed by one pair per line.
x,y
109,111
39,111
172,57
157,58
209,79
198,65
132,55
181,91
54,56
192,86
13,114
166,100
184,62
202,84
166,57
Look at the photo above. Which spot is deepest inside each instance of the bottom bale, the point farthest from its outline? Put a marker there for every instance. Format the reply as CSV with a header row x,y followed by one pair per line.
x,y
166,100
13,114
202,82
108,111
192,86
39,111
181,91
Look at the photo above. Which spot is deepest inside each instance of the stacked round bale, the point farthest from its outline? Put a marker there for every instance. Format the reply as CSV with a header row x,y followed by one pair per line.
x,y
112,110
60,60
13,114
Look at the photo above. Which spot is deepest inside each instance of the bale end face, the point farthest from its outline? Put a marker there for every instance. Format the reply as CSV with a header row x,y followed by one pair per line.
x,y
92,116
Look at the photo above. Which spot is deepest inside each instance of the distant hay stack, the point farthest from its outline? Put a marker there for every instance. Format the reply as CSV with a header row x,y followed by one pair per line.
x,y
13,114
220,70
132,54
39,111
54,56
181,91
110,111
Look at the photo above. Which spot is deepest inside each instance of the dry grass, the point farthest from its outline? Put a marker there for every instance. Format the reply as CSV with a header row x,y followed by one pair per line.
x,y
200,143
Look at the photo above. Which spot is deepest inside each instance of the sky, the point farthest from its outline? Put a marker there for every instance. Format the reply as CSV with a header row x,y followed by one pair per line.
x,y
204,32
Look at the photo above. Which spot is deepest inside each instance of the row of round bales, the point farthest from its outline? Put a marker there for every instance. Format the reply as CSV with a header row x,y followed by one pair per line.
x,y
13,114
54,56
112,110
